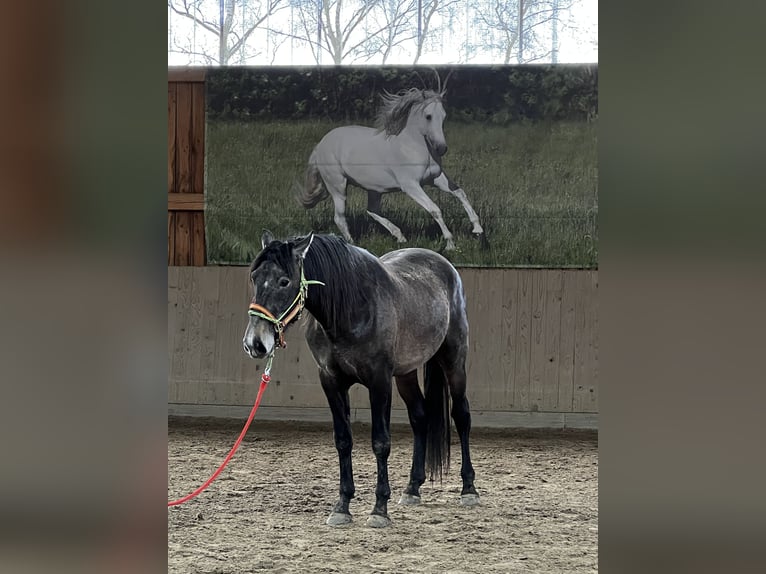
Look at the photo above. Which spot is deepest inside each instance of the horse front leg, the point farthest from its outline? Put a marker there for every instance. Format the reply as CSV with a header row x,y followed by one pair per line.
x,y
446,184
421,198
337,398
380,406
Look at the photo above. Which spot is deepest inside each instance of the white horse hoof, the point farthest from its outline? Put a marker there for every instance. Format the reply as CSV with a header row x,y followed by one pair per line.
x,y
409,500
450,245
469,499
339,519
378,521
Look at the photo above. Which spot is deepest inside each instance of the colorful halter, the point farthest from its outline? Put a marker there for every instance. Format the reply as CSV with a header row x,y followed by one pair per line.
x,y
290,313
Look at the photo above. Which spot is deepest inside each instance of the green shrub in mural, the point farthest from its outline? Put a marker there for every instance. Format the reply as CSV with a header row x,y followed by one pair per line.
x,y
521,144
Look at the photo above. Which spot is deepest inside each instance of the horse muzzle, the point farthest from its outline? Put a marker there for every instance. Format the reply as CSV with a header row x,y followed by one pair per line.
x,y
439,148
258,343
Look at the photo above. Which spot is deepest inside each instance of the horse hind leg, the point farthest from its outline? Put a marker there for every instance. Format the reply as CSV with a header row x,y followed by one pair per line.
x,y
336,183
461,414
389,225
408,388
373,210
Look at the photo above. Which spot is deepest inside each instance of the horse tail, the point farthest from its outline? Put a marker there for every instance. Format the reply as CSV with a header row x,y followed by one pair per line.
x,y
437,407
313,191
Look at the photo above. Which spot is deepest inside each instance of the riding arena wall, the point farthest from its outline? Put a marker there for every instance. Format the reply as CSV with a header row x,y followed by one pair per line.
x,y
533,357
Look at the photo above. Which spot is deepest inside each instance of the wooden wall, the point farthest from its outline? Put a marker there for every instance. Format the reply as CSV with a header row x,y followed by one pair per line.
x,y
533,357
186,167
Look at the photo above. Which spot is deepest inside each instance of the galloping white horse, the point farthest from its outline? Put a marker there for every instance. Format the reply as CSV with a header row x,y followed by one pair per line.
x,y
402,154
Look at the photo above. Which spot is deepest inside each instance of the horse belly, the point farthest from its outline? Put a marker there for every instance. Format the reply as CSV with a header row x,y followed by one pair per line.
x,y
365,170
421,333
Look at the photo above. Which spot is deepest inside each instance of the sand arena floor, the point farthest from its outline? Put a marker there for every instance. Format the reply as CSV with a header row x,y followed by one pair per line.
x,y
267,510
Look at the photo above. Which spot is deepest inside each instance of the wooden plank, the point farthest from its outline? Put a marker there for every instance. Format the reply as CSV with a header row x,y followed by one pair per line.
x,y
198,239
183,138
555,281
198,138
171,138
491,288
580,351
208,286
507,358
186,202
594,340
474,390
172,315
567,336
585,314
183,238
193,310
186,74
181,338
171,238
537,341
232,320
523,346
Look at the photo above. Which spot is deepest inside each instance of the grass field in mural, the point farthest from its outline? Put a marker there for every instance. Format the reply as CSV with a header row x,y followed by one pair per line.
x,y
533,185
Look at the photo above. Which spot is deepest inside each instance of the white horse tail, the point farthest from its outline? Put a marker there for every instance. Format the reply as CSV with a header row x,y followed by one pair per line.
x,y
313,191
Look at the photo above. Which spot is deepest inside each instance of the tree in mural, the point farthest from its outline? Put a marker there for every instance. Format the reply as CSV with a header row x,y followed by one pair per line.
x,y
237,32
336,28
426,29
395,18
516,30
224,27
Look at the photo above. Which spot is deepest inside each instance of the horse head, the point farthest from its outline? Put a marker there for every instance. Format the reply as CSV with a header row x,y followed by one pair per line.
x,y
428,118
278,292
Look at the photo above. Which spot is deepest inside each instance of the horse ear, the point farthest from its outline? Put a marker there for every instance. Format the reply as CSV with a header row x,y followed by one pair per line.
x,y
444,86
301,246
266,238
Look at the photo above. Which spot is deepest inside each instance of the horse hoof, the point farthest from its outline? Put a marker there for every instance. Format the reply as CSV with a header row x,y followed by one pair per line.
x,y
378,521
409,500
338,519
450,246
469,499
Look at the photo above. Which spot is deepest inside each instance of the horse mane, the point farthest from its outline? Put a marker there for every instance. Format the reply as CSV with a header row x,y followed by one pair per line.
x,y
395,109
349,274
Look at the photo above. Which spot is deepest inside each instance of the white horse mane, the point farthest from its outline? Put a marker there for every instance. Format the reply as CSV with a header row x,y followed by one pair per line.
x,y
395,109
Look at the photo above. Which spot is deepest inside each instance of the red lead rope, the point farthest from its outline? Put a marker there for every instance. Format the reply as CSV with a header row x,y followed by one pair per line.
x,y
265,378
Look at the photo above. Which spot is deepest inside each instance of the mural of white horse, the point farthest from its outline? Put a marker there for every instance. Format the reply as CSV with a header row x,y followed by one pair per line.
x,y
403,153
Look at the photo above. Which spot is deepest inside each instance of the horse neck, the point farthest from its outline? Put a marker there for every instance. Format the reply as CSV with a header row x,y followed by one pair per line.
x,y
337,303
412,132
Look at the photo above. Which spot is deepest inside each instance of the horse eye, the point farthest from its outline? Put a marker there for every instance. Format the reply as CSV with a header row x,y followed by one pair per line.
x,y
284,282
428,117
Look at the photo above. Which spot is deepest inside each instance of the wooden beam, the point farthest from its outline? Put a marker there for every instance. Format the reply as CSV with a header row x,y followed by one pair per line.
x,y
186,74
186,201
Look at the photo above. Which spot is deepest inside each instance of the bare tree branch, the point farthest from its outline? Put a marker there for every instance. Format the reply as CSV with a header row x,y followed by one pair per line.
x,y
229,41
210,26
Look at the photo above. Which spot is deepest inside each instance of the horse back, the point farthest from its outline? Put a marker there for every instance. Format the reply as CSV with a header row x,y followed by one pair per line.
x,y
429,302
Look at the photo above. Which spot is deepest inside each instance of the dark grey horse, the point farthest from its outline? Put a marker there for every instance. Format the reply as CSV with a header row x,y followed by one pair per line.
x,y
372,320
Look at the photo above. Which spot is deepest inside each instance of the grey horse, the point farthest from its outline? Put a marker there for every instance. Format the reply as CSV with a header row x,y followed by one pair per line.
x,y
372,320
